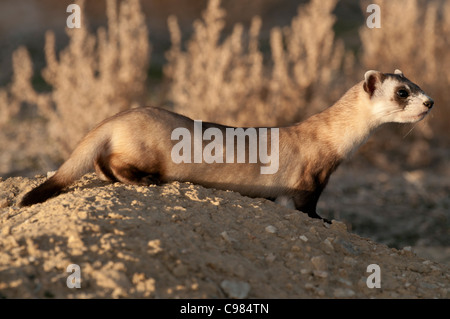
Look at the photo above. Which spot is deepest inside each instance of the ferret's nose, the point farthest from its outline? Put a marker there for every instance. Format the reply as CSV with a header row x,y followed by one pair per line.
x,y
429,103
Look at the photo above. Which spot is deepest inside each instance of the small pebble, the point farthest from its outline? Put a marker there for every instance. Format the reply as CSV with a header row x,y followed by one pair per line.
x,y
6,231
328,243
304,271
343,293
304,238
319,262
4,203
226,237
235,289
320,273
270,257
50,174
271,229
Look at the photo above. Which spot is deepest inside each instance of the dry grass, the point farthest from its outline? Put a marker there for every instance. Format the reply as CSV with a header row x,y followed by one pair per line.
x,y
227,80
94,77
214,79
226,77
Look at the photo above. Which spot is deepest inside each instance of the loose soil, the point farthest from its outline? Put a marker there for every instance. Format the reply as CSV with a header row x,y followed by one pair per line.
x,y
181,240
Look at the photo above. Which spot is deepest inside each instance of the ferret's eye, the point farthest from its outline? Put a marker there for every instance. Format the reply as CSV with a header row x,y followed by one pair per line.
x,y
402,93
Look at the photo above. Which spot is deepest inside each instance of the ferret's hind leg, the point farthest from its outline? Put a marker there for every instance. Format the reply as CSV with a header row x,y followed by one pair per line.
x,y
130,174
103,170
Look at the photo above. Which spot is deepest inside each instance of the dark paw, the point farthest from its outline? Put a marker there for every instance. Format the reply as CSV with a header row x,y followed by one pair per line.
x,y
150,180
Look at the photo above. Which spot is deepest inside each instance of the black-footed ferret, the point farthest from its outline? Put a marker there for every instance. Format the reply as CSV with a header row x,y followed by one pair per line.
x,y
137,146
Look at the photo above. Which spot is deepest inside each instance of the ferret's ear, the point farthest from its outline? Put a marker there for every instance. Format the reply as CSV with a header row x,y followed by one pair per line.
x,y
398,72
372,80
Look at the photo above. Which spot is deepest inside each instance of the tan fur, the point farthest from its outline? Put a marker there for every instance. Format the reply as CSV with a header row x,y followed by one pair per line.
x,y
135,147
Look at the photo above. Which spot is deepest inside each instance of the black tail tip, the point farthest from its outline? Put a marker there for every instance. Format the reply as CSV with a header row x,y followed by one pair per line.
x,y
29,199
41,193
33,197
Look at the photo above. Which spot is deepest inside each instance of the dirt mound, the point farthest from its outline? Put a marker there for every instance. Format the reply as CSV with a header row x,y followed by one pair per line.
x,y
183,240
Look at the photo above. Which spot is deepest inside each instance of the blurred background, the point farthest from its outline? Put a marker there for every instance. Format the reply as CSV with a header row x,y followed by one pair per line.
x,y
259,62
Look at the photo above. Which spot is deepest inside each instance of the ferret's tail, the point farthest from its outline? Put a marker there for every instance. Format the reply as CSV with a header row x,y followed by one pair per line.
x,y
79,163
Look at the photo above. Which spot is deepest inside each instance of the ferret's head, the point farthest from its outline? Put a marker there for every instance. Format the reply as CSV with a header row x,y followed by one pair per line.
x,y
395,98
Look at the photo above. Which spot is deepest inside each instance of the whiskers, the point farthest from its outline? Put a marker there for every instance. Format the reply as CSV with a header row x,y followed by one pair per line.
x,y
412,128
423,123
